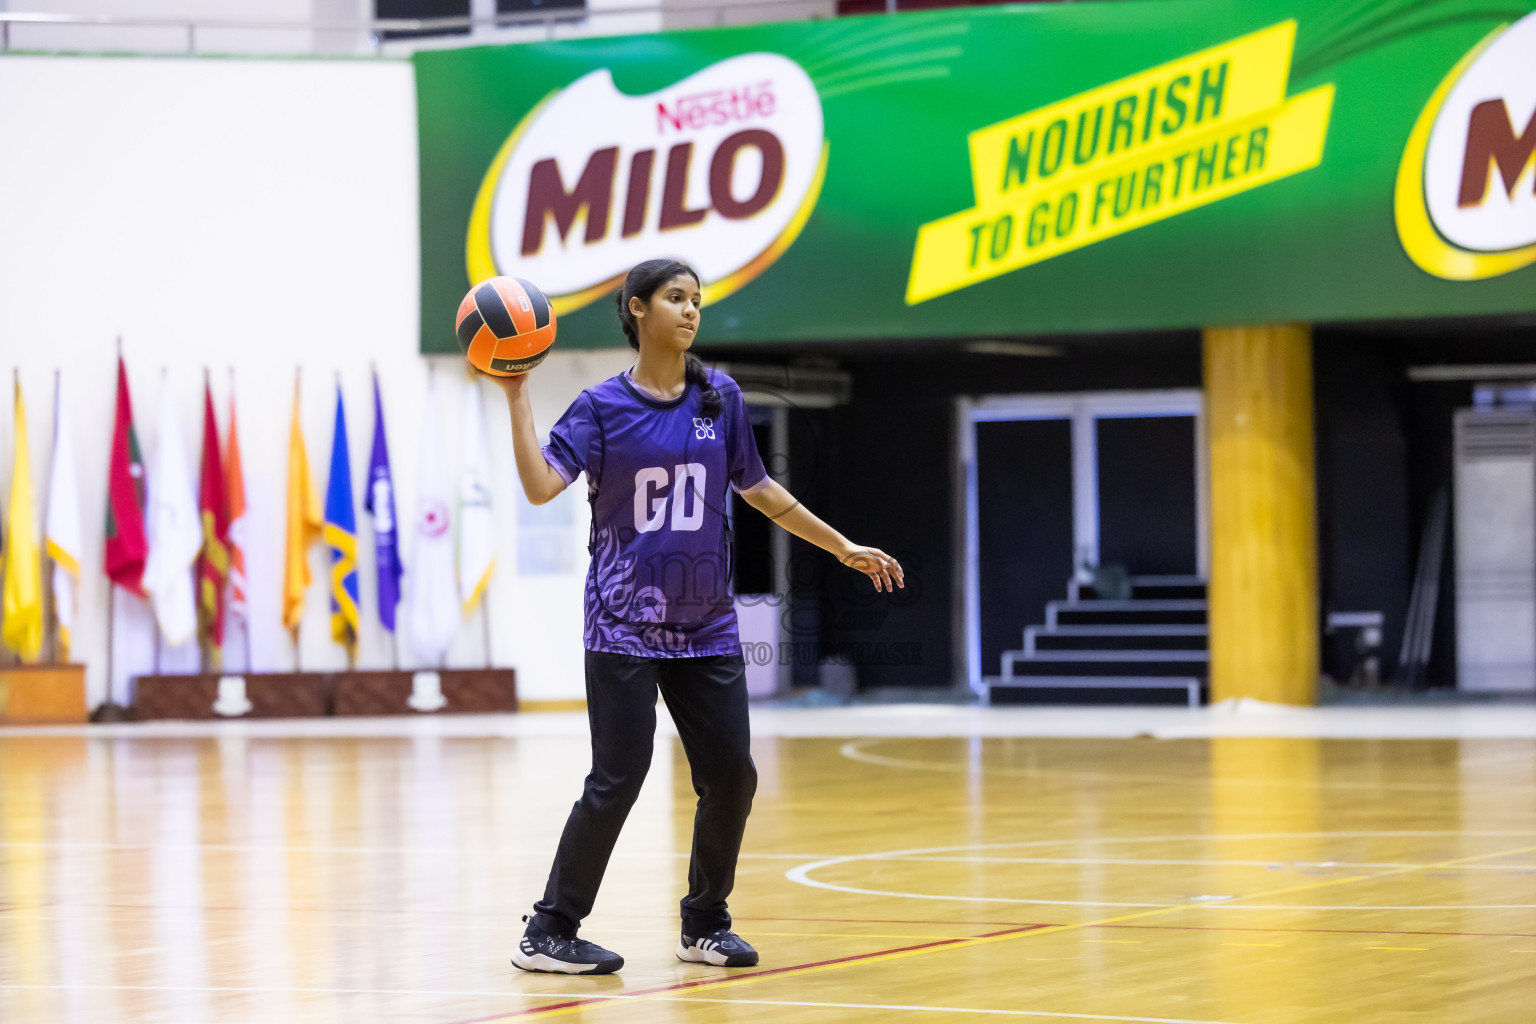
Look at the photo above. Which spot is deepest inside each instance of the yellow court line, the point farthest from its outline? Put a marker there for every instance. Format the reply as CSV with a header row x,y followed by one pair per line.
x,y
679,994
1402,949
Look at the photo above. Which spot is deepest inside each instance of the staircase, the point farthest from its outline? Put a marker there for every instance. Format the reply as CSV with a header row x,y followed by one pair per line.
x,y
1155,640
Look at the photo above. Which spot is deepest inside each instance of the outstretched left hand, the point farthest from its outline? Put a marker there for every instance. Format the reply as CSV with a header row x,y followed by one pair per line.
x,y
881,568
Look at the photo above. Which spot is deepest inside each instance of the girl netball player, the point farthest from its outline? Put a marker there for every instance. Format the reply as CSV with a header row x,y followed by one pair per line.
x,y
661,445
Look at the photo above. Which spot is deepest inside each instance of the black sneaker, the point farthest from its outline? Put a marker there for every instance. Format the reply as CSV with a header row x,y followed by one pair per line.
x,y
550,954
723,948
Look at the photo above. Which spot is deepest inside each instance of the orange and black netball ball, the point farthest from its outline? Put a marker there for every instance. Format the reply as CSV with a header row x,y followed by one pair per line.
x,y
505,326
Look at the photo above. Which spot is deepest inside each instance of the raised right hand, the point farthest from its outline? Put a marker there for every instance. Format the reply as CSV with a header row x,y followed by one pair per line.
x,y
512,387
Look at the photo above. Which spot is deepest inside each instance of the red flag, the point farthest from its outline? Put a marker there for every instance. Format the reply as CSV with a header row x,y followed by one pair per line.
x,y
235,481
126,546
213,509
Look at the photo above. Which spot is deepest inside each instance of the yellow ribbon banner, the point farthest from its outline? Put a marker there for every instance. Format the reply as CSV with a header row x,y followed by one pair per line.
x,y
1123,155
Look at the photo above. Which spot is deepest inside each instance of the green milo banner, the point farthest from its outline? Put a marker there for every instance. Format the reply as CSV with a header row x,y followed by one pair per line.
x,y
1009,171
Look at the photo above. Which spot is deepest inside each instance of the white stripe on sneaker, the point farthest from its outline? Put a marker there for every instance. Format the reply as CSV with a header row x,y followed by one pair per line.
x,y
698,954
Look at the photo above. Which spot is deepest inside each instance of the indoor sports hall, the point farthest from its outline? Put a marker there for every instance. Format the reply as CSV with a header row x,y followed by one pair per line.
x,y
767,510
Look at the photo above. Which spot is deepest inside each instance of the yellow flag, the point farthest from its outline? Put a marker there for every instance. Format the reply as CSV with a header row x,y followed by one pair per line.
x,y
23,624
304,523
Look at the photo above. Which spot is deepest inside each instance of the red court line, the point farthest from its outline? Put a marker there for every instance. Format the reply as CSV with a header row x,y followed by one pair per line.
x,y
1314,931
895,920
704,982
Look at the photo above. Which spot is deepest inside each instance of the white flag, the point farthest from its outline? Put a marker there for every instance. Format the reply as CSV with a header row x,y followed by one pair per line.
x,y
174,528
477,523
62,531
432,599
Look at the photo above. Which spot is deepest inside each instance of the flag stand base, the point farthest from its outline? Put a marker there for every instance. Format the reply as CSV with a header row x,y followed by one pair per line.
x,y
109,713
42,694
317,694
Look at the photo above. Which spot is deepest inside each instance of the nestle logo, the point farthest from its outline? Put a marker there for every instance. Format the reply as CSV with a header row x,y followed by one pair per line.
x,y
716,107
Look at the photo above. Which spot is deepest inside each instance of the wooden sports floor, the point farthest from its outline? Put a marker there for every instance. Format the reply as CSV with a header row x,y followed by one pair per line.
x,y
232,876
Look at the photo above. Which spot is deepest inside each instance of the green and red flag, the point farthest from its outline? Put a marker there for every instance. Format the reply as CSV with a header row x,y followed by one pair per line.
x,y
127,545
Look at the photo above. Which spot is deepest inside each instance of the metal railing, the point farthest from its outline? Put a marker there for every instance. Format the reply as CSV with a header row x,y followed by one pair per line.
x,y
433,31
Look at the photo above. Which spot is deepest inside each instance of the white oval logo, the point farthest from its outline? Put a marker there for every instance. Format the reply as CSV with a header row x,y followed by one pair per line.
x,y
1466,193
721,169
1480,168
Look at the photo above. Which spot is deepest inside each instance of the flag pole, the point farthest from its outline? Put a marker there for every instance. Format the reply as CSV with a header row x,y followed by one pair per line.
x,y
112,593
111,622
109,707
14,656
164,372
204,637
51,620
298,655
485,622
245,617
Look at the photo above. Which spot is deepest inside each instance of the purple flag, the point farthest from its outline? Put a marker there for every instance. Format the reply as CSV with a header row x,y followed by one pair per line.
x,y
380,503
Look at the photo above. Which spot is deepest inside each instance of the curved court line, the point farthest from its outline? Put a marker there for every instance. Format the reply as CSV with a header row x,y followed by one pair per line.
x,y
1158,862
854,751
945,946
801,873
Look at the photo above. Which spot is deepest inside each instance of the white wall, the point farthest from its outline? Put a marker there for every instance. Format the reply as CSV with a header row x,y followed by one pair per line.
x,y
229,26
260,216
214,35
157,38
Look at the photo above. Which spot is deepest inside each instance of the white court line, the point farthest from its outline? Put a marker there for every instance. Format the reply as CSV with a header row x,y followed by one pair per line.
x,y
73,846
1452,721
1341,864
499,993
801,874
854,751
938,1009
609,996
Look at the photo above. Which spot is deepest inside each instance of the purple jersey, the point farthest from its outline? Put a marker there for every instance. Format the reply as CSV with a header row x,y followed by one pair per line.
x,y
659,475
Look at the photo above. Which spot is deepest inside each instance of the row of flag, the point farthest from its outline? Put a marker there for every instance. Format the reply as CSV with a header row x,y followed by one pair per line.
x,y
182,547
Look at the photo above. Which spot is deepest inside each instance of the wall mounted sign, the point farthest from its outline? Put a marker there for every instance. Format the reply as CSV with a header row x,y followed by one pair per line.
x,y
1040,169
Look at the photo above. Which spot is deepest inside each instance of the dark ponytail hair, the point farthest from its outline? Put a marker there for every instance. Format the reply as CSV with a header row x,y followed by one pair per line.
x,y
641,283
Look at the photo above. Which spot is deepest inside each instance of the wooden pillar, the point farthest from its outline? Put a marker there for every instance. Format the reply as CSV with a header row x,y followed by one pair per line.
x,y
1263,585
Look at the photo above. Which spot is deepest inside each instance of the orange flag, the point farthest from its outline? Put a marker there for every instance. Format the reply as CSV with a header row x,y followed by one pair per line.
x,y
304,524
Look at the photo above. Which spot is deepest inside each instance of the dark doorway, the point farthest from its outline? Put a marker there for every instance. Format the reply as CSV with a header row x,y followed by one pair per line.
x,y
1147,494
1024,527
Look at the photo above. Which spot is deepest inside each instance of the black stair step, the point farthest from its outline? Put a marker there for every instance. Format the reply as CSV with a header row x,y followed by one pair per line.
x,y
1091,613
1104,695
1152,591
1175,591
1190,588
1127,664
1118,638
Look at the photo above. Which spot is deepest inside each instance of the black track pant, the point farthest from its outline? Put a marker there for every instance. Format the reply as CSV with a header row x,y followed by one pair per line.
x,y
708,700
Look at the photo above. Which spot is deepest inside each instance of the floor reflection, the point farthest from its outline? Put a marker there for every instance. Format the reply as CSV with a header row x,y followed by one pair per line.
x,y
237,878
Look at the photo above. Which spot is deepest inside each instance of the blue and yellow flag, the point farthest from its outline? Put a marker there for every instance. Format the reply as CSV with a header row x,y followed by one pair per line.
x,y
341,535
